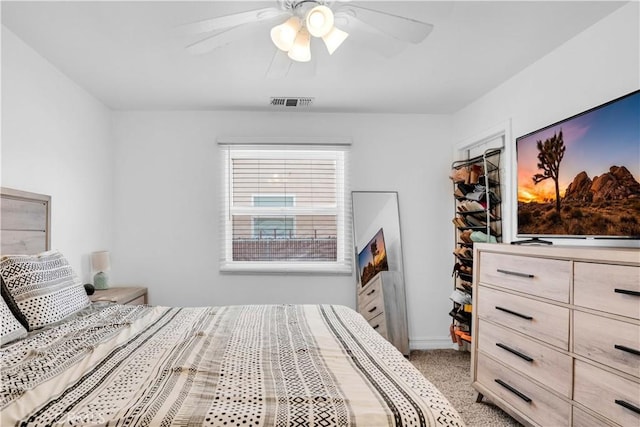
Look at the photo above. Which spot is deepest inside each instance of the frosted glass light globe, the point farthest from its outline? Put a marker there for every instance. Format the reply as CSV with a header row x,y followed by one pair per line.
x,y
284,35
316,19
319,21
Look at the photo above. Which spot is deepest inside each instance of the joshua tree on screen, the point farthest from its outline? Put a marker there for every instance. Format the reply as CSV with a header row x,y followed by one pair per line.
x,y
551,152
374,251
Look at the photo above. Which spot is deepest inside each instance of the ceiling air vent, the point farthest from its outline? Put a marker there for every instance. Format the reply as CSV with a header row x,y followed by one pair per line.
x,y
291,102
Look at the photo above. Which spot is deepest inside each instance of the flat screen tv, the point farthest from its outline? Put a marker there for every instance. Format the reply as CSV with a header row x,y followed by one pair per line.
x,y
578,178
373,258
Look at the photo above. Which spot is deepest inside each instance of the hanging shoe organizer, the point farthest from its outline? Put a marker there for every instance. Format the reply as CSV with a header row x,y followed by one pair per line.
x,y
478,218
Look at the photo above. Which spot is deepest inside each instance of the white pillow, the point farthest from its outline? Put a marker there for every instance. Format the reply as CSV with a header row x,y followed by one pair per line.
x,y
43,288
10,328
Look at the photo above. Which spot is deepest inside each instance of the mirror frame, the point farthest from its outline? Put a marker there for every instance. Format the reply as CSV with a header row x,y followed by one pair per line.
x,y
400,257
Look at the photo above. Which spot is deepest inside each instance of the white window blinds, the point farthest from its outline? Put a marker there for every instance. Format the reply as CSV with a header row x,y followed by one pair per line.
x,y
286,208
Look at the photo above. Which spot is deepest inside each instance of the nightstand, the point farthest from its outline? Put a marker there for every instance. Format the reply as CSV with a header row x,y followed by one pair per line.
x,y
132,295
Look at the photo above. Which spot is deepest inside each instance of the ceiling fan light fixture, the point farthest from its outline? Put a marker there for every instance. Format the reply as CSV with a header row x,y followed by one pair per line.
x,y
284,35
334,38
301,49
319,21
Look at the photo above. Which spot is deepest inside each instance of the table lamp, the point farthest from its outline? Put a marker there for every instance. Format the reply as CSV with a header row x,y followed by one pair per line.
x,y
100,263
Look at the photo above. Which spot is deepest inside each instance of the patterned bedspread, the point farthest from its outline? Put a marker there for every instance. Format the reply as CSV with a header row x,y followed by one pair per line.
x,y
261,365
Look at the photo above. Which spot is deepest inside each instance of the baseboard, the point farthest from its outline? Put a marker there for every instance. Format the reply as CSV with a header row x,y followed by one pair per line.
x,y
432,343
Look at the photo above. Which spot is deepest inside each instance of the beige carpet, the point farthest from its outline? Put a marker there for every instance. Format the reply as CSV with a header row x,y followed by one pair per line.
x,y
449,370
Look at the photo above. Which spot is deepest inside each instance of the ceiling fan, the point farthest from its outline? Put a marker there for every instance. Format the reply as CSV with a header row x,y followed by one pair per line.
x,y
294,23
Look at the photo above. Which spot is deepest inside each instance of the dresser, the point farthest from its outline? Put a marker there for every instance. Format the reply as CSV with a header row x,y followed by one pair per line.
x,y
382,303
556,333
131,295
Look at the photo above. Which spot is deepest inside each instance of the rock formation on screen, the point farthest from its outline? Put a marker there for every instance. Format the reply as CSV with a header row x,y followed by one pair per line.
x,y
617,184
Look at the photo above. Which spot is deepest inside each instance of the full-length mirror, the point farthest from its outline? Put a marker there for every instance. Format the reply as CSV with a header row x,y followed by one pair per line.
x,y
372,211
380,290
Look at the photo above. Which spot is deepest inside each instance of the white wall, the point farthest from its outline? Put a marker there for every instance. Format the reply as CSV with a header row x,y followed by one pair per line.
x,y
600,64
56,141
167,207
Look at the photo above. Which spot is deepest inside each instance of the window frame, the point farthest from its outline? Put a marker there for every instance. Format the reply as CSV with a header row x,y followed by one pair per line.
x,y
341,208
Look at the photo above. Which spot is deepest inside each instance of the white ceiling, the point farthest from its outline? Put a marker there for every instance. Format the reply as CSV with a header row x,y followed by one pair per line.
x,y
130,56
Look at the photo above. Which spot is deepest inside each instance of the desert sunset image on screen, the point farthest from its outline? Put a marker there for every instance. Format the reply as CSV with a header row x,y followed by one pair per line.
x,y
580,177
373,258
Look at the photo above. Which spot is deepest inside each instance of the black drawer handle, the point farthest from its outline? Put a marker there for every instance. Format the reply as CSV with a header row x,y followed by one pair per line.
x,y
516,352
371,292
376,327
627,292
628,405
513,390
516,273
373,309
627,349
506,310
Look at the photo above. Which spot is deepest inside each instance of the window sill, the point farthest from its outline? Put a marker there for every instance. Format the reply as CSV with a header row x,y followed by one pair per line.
x,y
277,268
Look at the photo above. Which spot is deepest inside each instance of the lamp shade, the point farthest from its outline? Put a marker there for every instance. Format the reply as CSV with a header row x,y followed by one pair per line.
x,y
100,261
284,35
319,21
334,38
301,49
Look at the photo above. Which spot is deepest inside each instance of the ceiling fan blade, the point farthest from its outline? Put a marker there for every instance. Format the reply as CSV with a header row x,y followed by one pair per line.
x,y
279,66
282,66
230,21
399,27
369,37
224,37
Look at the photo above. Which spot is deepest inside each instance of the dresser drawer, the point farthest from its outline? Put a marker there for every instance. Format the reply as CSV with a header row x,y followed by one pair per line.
x,y
535,402
608,288
611,342
583,419
548,366
600,390
379,323
370,292
546,278
546,322
137,301
373,308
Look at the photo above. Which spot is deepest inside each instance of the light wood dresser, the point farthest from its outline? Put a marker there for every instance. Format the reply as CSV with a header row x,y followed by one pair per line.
x,y
382,303
556,333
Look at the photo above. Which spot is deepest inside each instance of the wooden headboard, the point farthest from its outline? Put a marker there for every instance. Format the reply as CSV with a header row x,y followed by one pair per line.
x,y
25,222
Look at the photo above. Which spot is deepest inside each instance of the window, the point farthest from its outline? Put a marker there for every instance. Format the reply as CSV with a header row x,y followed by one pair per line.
x,y
276,226
286,208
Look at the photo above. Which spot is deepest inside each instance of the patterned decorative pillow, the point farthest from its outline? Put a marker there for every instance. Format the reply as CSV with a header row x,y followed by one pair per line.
x,y
43,288
10,328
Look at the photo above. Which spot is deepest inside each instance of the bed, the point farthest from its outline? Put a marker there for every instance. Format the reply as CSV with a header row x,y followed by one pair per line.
x,y
80,363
